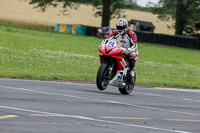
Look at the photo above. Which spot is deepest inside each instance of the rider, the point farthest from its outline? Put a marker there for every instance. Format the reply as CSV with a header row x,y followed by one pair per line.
x,y
128,42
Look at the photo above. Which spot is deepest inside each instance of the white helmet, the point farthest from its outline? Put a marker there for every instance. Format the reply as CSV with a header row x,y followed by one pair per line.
x,y
122,26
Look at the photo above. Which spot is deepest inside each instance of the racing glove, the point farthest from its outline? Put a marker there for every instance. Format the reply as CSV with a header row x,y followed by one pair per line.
x,y
124,51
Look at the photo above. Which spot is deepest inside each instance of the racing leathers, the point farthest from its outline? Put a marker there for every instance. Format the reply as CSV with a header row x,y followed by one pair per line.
x,y
128,44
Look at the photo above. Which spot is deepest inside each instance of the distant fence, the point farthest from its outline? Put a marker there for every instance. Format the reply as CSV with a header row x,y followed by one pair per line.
x,y
148,37
170,40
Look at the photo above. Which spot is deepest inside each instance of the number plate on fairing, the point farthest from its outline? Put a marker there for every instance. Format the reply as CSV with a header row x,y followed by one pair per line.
x,y
111,44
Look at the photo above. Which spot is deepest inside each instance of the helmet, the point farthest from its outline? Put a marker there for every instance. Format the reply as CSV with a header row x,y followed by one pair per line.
x,y
122,26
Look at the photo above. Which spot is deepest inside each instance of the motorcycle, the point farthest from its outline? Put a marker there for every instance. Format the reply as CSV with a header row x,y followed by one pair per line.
x,y
114,69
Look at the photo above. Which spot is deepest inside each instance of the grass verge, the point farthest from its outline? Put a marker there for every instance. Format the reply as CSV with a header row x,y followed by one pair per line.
x,y
26,53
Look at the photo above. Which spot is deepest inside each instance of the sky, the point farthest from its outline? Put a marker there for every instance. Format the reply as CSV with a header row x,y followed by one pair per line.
x,y
144,2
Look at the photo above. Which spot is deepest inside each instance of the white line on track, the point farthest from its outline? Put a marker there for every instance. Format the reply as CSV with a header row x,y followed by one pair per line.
x,y
176,89
41,81
97,120
106,101
150,94
81,84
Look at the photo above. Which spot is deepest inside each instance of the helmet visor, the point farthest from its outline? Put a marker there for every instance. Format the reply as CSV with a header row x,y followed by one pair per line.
x,y
121,27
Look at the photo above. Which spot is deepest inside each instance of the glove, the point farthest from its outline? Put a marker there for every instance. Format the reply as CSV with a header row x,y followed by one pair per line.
x,y
124,51
131,50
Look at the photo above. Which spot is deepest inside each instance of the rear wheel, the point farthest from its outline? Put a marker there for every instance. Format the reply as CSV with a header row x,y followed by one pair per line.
x,y
129,86
102,79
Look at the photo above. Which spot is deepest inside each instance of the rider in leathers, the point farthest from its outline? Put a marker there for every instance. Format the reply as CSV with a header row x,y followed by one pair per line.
x,y
128,42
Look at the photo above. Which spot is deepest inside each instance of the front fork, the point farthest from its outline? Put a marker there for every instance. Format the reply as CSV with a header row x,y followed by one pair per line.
x,y
110,71
109,61
110,68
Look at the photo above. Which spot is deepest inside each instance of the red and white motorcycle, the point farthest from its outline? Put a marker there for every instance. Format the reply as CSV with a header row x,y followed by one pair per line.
x,y
114,69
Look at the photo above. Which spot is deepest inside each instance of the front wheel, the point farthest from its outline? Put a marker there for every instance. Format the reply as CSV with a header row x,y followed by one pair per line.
x,y
129,86
102,79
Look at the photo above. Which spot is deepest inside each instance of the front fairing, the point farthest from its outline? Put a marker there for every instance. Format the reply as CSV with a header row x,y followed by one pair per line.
x,y
115,51
102,49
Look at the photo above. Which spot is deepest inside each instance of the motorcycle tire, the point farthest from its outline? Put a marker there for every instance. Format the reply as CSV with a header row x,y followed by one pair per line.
x,y
101,81
129,87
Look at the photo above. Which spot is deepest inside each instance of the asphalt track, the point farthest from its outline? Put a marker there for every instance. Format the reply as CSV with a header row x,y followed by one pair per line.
x,y
28,106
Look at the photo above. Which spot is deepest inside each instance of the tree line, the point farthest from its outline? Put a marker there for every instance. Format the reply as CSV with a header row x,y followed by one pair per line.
x,y
186,13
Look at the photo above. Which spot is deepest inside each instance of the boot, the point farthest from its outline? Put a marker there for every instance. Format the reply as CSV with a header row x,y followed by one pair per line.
x,y
131,60
132,69
132,73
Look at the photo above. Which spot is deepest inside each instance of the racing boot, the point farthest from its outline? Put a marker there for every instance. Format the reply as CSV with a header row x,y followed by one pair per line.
x,y
132,66
132,73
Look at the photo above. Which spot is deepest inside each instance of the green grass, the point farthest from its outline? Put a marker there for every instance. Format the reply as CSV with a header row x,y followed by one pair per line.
x,y
26,53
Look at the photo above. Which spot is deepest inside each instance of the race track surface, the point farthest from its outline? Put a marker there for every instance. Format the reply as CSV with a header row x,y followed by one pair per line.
x,y
28,106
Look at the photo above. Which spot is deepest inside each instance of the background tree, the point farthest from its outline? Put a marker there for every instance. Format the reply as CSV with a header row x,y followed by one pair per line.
x,y
107,9
186,14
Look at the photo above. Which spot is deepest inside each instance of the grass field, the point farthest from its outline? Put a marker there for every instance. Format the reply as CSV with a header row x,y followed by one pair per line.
x,y
26,53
